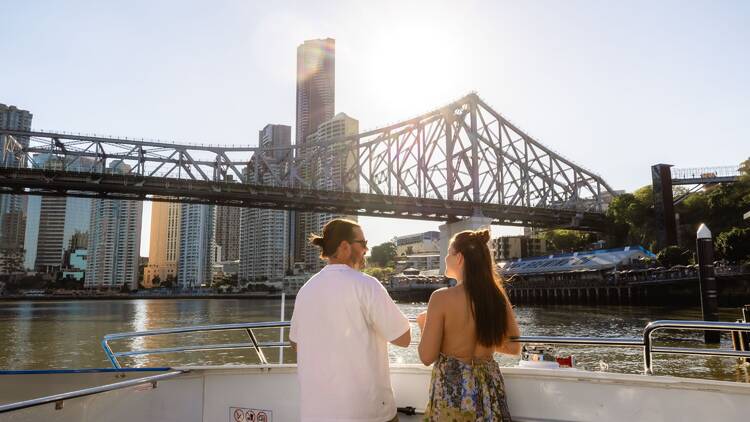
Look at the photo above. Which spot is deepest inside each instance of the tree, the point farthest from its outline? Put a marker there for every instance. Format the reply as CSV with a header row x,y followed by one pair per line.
x,y
383,254
734,245
156,281
674,255
560,240
633,219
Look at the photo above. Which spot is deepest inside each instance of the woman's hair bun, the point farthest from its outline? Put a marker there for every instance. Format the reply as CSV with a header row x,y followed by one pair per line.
x,y
483,236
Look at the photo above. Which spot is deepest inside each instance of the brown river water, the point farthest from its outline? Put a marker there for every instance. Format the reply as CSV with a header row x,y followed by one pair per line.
x,y
67,334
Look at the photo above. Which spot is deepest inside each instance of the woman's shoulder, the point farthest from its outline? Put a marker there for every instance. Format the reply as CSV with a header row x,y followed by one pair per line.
x,y
446,295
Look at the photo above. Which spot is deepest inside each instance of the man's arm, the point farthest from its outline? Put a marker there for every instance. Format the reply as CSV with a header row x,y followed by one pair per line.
x,y
404,340
386,317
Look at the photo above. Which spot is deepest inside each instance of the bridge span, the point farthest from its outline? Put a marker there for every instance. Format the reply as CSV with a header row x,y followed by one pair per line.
x,y
460,160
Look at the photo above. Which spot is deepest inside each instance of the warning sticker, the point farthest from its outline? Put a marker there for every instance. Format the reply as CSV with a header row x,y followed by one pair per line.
x,y
244,414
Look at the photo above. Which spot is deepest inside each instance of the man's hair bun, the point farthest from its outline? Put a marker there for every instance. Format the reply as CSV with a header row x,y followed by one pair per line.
x,y
317,241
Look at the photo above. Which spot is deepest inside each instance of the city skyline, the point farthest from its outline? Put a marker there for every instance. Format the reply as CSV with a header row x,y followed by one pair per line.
x,y
610,87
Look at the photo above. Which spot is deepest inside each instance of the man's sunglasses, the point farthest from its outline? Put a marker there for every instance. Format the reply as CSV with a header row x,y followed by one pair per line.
x,y
361,242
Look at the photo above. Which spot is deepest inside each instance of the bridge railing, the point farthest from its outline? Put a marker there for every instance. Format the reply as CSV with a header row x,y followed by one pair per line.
x,y
706,172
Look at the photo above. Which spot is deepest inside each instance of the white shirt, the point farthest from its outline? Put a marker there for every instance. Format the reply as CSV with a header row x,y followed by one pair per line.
x,y
342,323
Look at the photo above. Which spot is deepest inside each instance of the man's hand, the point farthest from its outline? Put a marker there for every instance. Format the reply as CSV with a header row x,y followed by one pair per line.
x,y
421,319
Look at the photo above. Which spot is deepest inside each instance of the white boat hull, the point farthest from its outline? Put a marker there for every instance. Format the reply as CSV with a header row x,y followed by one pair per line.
x,y
208,394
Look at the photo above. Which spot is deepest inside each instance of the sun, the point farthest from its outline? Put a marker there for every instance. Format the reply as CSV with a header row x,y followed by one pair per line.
x,y
415,68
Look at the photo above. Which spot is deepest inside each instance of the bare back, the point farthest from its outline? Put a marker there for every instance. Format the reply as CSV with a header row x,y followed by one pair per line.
x,y
460,332
448,327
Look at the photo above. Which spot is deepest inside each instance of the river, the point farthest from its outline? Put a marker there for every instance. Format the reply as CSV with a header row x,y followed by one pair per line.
x,y
67,334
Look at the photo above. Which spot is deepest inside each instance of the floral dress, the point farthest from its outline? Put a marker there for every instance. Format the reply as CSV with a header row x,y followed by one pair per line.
x,y
461,391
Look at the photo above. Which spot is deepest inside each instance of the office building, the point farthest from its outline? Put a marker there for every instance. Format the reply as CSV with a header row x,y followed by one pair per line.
x,y
164,244
514,247
329,172
114,240
419,243
264,233
316,94
55,224
197,245
13,207
228,233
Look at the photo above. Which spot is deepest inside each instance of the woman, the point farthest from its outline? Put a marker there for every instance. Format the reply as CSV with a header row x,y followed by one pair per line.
x,y
461,329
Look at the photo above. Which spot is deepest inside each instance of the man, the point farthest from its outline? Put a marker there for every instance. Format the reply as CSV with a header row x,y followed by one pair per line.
x,y
341,325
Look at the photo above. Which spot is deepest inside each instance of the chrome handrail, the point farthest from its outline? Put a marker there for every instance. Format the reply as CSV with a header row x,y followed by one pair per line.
x,y
248,327
649,349
645,342
59,398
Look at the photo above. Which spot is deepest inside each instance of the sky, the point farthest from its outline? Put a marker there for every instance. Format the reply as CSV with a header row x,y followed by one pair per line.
x,y
613,86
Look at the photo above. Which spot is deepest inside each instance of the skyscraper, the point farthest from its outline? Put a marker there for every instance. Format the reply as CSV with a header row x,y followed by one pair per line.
x,y
315,85
197,245
315,105
52,222
12,207
228,232
328,172
114,240
164,243
264,233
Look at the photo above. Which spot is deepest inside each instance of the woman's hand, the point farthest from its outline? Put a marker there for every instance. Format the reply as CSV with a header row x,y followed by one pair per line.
x,y
421,319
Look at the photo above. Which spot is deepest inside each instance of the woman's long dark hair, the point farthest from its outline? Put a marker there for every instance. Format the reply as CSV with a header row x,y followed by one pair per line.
x,y
483,286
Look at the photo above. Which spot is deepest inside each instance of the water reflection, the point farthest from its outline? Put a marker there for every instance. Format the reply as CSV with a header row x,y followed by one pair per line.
x,y
66,334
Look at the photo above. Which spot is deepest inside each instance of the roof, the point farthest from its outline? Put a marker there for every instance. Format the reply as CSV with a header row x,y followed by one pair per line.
x,y
585,260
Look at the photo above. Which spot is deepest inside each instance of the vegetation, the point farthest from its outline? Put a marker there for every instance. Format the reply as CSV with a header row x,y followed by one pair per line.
x,y
560,240
719,206
383,254
734,245
674,255
633,220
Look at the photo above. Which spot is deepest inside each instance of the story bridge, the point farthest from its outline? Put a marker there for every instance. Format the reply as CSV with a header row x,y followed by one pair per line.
x,y
461,160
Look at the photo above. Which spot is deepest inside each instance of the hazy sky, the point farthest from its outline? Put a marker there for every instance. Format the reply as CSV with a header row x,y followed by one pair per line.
x,y
613,86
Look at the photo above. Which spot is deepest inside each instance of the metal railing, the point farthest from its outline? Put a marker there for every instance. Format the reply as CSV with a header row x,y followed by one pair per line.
x,y
649,349
646,342
247,327
58,399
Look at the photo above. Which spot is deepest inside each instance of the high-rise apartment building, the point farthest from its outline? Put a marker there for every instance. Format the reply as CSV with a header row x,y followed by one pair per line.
x,y
114,240
315,85
197,245
228,233
164,244
328,172
13,207
55,224
315,104
264,233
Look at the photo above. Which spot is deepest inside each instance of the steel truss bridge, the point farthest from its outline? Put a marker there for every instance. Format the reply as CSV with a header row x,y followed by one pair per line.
x,y
461,160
